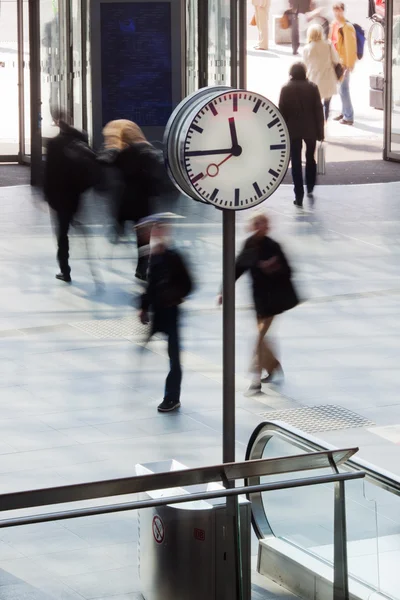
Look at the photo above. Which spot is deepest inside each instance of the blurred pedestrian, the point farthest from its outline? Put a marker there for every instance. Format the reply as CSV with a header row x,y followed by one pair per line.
x,y
297,7
320,58
321,14
169,282
273,294
343,37
71,168
301,106
137,162
112,184
261,9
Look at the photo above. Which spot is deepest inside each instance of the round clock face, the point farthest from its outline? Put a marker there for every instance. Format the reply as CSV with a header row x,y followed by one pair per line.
x,y
234,149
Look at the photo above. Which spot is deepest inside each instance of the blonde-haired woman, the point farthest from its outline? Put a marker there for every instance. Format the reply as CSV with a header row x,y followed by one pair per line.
x,y
320,58
138,166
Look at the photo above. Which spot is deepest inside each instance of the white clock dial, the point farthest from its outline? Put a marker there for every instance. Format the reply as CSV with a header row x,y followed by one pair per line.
x,y
234,149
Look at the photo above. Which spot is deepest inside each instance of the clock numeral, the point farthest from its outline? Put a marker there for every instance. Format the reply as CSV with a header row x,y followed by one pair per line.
x,y
257,189
214,194
213,110
196,128
273,173
197,178
235,102
257,106
237,194
273,123
278,147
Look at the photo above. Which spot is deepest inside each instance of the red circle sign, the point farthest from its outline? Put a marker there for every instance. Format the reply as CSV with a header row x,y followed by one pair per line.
x,y
158,529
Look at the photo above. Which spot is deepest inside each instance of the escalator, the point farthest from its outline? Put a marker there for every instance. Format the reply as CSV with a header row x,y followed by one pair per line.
x,y
295,527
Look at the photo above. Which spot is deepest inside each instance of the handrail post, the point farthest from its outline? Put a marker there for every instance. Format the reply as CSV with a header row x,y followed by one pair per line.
x,y
340,567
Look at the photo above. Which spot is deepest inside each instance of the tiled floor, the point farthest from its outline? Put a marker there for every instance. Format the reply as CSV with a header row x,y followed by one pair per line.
x,y
79,404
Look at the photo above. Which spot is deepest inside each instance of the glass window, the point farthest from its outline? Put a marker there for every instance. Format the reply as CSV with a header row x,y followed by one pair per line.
x,y
219,42
9,117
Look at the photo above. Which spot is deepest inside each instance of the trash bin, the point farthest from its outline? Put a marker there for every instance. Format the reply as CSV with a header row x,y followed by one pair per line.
x,y
183,552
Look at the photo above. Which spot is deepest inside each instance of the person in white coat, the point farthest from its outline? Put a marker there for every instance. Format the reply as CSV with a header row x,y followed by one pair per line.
x,y
320,58
261,9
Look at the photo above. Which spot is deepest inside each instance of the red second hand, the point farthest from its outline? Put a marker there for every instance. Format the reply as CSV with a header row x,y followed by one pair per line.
x,y
217,166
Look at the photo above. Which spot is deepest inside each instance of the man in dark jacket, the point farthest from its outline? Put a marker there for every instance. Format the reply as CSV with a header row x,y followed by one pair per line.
x,y
301,106
297,7
168,283
70,170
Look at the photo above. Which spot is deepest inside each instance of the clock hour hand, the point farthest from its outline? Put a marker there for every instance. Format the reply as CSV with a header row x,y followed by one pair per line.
x,y
208,152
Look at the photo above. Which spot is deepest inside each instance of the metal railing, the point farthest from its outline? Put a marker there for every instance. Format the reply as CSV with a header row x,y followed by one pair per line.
x,y
227,473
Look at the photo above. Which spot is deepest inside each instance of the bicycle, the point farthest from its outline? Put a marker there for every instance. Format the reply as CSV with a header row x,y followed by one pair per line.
x,y
376,37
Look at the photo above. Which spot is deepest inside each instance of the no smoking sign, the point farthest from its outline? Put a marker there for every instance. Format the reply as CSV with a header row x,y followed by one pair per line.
x,y
158,529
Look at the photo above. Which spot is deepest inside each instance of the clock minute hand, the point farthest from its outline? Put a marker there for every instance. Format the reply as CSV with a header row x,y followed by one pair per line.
x,y
232,128
208,152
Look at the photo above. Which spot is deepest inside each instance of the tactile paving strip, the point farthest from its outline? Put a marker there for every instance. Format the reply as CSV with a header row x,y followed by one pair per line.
x,y
128,328
312,419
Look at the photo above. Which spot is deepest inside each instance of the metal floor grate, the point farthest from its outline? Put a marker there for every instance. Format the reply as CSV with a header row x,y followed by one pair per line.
x,y
129,328
312,419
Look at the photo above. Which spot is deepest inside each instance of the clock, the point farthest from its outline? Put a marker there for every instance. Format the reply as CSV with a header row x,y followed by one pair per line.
x,y
227,147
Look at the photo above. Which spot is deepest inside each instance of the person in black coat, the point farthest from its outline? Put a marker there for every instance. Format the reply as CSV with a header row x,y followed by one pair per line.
x,y
301,107
297,7
138,167
273,293
70,169
169,282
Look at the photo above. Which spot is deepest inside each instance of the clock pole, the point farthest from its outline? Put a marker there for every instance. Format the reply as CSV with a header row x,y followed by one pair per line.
x,y
228,336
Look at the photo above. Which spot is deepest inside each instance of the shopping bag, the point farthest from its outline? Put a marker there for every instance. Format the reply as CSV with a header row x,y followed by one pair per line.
x,y
253,22
321,159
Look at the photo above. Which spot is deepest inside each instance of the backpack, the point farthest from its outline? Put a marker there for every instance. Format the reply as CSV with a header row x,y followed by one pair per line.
x,y
84,170
360,36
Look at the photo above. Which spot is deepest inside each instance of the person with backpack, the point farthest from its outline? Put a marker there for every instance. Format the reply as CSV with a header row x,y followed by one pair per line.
x,y
71,168
344,39
169,282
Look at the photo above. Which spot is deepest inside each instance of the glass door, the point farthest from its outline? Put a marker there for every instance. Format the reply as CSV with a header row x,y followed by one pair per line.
x,y
9,79
392,85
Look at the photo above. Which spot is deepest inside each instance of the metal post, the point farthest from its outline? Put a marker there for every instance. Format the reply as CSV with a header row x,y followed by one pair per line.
x,y
36,101
228,336
234,43
202,42
340,570
242,44
21,104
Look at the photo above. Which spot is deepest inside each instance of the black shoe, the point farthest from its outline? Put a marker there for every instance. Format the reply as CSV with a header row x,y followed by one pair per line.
x,y
298,203
338,118
295,53
63,277
168,405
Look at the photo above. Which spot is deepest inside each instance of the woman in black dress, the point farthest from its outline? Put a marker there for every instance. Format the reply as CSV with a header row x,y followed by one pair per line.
x,y
273,293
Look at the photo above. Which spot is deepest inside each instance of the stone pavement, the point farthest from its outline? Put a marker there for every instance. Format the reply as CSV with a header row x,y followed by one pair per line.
x,y
78,398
